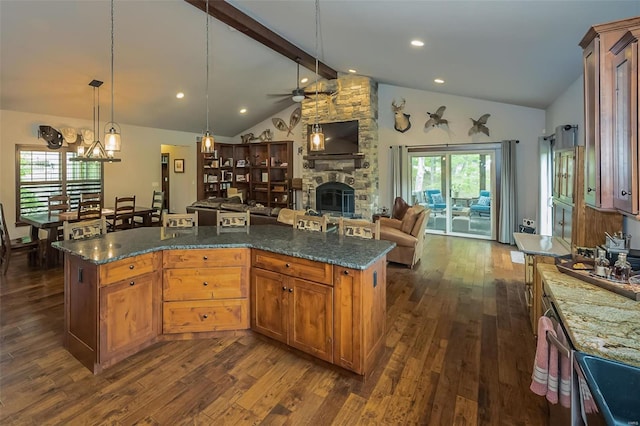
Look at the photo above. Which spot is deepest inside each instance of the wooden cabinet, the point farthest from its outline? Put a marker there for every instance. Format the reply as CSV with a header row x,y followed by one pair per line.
x,y
624,69
359,316
129,312
292,310
261,171
205,290
564,169
563,221
599,95
332,312
111,310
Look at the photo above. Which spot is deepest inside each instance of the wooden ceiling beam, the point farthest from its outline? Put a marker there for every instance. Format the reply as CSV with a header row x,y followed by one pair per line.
x,y
224,12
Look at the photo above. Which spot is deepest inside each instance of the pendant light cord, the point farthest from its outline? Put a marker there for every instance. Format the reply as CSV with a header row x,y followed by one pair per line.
x,y
207,85
317,25
112,15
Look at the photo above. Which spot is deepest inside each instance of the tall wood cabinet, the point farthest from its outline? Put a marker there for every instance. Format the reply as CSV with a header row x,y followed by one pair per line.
x,y
599,103
624,68
261,171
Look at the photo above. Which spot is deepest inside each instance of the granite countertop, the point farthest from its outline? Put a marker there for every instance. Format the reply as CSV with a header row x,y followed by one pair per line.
x,y
540,244
599,322
350,252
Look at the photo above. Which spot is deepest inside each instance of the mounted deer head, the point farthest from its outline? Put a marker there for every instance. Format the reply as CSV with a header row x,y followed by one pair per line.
x,y
401,120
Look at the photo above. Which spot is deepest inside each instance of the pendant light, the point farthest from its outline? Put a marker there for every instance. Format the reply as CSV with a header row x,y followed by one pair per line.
x,y
112,129
96,151
207,143
317,137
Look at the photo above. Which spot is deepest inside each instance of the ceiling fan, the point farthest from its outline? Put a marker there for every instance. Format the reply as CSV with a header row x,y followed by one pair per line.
x,y
298,94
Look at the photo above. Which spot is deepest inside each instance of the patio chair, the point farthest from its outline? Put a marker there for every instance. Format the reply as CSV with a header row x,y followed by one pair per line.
x,y
483,204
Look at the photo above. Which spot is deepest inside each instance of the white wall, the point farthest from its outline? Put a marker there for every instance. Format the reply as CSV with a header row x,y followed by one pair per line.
x,y
568,108
139,172
506,122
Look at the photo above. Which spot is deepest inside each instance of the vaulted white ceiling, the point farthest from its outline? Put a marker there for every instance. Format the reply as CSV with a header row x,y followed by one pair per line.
x,y
514,51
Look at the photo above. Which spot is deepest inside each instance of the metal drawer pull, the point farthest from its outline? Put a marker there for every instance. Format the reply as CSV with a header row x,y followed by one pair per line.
x,y
205,258
132,283
205,316
131,266
205,283
590,190
284,288
287,265
346,272
625,193
290,290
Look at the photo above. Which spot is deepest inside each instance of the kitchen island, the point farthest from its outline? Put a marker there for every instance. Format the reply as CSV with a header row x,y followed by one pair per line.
x,y
323,294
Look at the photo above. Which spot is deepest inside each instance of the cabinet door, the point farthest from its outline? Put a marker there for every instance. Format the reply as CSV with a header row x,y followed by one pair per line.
x,y
311,318
268,304
591,68
569,173
129,316
624,65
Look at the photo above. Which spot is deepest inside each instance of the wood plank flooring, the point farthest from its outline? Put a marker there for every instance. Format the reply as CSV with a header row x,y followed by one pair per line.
x,y
458,351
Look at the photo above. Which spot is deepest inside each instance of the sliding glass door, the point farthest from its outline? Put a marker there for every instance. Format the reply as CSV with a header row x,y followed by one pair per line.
x,y
457,185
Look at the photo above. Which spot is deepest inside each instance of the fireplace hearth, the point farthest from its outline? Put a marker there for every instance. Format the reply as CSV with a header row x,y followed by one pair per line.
x,y
335,198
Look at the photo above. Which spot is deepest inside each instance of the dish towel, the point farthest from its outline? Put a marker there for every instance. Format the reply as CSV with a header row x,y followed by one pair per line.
x,y
544,379
565,371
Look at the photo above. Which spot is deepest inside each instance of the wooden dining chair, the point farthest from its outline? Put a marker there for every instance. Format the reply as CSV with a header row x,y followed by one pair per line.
x,y
89,209
84,229
359,228
9,246
157,204
123,212
310,223
180,220
90,206
234,219
58,204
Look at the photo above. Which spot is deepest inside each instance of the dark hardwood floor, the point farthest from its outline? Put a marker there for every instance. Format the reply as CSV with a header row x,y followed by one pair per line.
x,y
459,350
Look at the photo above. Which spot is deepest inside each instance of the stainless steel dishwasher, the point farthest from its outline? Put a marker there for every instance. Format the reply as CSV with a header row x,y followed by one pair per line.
x,y
558,413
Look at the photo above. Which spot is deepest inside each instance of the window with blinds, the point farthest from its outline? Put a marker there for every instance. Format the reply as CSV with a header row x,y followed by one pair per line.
x,y
43,172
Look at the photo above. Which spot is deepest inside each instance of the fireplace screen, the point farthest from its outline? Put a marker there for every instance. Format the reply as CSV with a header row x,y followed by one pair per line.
x,y
335,198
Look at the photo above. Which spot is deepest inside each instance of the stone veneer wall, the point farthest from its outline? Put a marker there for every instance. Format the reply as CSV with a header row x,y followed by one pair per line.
x,y
356,99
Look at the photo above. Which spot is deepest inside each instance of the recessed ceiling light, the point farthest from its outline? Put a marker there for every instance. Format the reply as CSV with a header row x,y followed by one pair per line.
x,y
352,71
417,43
243,111
304,80
439,81
179,95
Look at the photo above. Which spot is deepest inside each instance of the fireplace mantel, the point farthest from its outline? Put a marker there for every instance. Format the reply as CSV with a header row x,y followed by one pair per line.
x,y
357,159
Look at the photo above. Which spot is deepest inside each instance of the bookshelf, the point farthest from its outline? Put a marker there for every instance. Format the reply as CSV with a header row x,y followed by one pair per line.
x,y
261,171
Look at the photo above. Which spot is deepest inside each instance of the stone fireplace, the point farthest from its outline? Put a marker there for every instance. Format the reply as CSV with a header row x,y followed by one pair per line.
x,y
356,99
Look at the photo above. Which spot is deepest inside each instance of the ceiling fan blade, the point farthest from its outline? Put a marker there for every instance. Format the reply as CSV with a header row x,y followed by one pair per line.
x,y
274,95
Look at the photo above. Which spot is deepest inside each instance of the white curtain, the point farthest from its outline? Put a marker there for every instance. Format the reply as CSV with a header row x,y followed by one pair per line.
x,y
400,173
508,217
545,211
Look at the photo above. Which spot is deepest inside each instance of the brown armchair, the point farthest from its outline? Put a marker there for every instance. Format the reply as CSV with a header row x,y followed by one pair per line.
x,y
407,233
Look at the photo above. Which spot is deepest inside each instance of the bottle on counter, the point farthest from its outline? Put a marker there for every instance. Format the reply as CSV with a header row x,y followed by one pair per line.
x,y
602,268
622,269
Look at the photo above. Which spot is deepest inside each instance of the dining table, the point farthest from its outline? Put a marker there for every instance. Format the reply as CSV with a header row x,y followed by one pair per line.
x,y
50,222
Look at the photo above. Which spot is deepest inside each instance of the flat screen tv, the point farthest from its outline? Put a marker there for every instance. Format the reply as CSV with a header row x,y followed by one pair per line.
x,y
339,138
